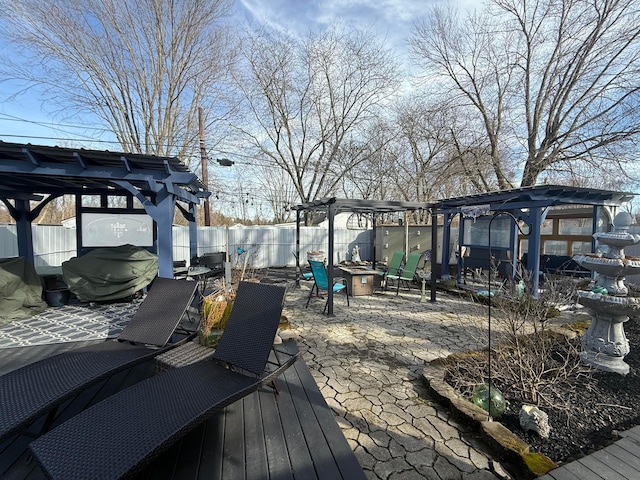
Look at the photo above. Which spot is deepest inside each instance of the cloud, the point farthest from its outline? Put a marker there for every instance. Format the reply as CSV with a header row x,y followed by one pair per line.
x,y
302,16
294,16
391,20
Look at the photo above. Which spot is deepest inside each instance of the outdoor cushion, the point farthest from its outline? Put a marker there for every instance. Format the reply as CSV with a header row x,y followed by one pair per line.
x,y
20,290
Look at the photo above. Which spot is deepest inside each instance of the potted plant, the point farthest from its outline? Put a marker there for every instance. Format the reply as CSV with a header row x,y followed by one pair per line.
x,y
216,308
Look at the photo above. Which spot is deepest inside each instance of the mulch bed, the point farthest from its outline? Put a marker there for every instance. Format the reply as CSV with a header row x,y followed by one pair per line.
x,y
601,404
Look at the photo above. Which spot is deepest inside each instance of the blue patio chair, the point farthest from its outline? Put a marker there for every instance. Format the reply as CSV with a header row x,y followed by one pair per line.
x,y
321,282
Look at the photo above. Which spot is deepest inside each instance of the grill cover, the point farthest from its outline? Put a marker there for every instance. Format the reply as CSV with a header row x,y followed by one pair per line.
x,y
112,273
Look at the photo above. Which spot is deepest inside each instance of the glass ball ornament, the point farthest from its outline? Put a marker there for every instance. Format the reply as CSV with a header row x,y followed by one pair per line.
x,y
481,397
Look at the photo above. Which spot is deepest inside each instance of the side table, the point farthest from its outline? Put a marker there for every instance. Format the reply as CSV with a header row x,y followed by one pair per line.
x,y
182,355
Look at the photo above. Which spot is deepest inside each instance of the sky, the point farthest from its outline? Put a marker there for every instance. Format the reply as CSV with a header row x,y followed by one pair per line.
x,y
26,119
391,19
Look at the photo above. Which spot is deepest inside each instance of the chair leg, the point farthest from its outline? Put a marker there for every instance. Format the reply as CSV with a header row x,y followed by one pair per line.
x,y
326,304
311,293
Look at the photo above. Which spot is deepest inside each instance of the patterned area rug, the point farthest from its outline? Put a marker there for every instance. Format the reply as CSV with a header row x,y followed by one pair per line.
x,y
70,323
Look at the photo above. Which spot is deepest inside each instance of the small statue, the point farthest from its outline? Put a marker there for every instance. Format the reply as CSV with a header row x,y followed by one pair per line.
x,y
355,254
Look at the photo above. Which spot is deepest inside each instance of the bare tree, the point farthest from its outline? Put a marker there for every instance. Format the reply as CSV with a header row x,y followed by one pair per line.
x,y
553,81
143,67
424,167
468,55
308,98
374,178
277,191
441,154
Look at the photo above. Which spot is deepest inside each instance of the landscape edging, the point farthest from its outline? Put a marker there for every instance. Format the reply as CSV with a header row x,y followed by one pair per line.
x,y
508,447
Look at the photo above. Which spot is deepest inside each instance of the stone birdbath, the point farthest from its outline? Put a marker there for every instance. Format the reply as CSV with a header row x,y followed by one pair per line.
x,y
605,343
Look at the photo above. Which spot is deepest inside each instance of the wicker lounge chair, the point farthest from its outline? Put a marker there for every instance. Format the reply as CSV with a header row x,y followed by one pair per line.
x,y
39,388
120,435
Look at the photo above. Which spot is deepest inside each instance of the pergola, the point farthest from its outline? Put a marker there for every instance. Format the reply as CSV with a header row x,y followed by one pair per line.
x,y
31,176
527,204
331,207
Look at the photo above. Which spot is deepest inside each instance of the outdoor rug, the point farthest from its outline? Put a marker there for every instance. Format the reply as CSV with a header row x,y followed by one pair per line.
x,y
69,323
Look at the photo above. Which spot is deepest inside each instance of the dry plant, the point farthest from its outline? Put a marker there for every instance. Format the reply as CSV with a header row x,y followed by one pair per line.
x,y
216,307
215,310
531,360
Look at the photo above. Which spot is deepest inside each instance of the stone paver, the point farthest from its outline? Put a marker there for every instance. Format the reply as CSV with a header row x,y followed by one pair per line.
x,y
367,360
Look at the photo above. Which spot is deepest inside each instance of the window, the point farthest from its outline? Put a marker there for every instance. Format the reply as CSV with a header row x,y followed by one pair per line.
x,y
547,227
116,201
91,201
556,247
110,230
580,247
575,226
476,231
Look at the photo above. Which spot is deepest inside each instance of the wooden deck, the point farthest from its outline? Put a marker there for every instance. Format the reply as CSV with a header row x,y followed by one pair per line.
x,y
620,461
291,435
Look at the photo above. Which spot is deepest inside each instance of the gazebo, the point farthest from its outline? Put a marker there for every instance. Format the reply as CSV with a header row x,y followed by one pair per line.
x,y
528,206
331,207
124,188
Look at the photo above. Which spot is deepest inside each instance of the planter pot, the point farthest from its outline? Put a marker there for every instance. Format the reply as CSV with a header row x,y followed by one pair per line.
x,y
57,297
316,255
210,339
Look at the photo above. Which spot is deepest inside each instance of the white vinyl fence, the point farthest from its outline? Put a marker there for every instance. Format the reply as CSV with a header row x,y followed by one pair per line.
x,y
266,246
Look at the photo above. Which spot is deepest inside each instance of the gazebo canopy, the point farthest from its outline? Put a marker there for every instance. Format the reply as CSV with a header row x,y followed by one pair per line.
x,y
339,205
535,196
33,173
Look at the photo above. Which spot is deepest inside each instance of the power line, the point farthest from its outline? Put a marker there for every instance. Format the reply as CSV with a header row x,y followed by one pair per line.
x,y
54,126
39,137
253,161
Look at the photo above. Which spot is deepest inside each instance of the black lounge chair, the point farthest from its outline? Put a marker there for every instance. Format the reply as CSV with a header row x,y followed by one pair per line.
x,y
118,436
41,387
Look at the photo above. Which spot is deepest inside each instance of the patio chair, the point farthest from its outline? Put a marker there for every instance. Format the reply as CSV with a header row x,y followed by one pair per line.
x,y
394,266
121,434
41,387
321,282
408,271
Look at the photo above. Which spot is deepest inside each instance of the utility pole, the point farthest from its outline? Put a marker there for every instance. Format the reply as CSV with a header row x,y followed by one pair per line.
x,y
203,160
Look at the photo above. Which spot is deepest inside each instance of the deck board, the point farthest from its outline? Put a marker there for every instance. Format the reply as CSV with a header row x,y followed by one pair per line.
x,y
299,456
619,461
274,438
255,445
626,452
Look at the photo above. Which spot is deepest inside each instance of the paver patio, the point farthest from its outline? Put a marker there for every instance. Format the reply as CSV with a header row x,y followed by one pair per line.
x,y
368,360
